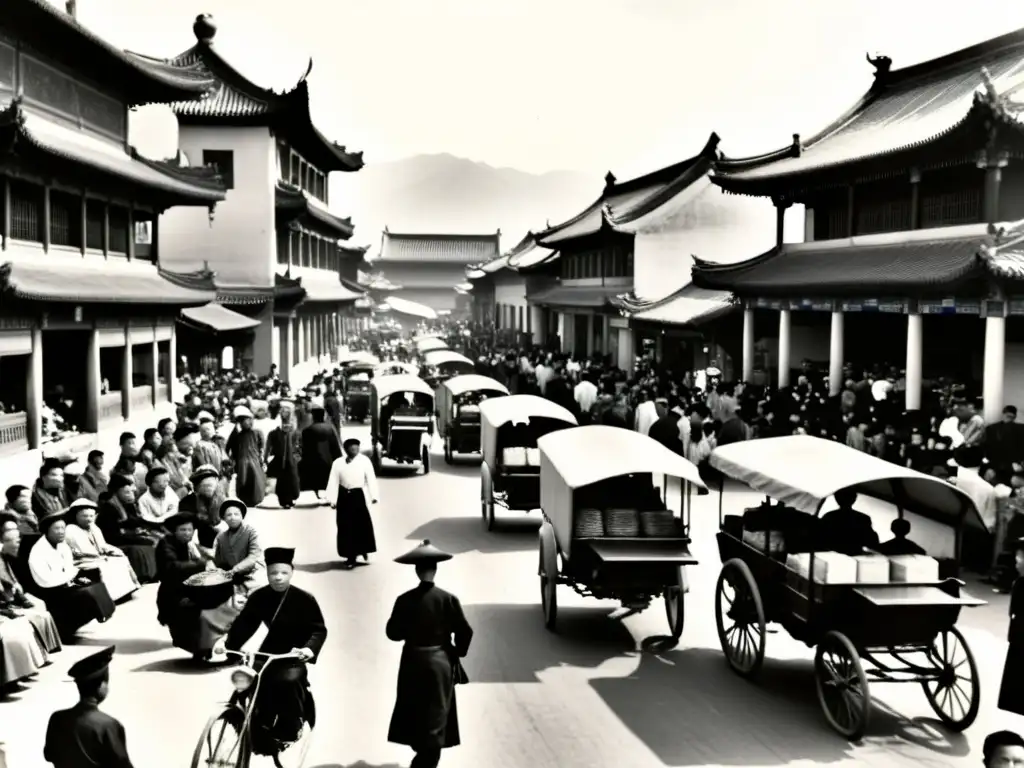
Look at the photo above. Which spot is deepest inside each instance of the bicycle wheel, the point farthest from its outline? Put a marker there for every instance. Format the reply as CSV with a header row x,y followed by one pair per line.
x,y
221,744
294,754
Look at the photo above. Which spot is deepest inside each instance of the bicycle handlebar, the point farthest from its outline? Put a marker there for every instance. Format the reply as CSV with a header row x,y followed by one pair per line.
x,y
261,654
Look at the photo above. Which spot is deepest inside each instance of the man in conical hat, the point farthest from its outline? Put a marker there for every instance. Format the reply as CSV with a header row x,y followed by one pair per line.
x,y
431,623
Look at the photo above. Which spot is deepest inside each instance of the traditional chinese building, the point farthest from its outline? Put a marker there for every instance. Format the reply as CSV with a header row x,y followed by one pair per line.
x,y
87,306
905,253
429,266
274,245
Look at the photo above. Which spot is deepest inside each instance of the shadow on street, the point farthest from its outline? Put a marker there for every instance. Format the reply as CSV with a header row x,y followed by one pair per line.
x,y
459,535
467,465
774,721
132,646
179,666
518,646
325,567
360,764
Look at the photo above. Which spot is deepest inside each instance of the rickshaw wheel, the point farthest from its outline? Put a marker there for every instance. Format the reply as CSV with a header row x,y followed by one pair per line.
x,y
742,642
842,685
947,694
675,607
548,570
425,458
220,744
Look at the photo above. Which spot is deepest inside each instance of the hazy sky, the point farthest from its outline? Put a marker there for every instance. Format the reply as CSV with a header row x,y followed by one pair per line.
x,y
626,85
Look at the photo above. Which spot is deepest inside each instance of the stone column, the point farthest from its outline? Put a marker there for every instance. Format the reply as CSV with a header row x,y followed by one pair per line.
x,y
836,354
34,391
748,344
172,363
994,369
785,345
92,382
126,375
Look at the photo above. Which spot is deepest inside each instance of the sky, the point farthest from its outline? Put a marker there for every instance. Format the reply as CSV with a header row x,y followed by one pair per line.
x,y
540,85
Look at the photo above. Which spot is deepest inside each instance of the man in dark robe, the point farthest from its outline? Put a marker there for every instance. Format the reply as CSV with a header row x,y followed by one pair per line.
x,y
431,623
1002,749
84,737
48,495
320,447
333,405
177,558
666,429
246,448
1011,693
846,530
284,451
295,624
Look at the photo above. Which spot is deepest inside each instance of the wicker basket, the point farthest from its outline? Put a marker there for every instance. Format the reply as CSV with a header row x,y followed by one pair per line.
x,y
589,524
209,589
658,524
622,522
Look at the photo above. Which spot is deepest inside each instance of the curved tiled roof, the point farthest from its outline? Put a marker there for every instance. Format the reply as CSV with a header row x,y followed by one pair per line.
x,y
293,204
439,249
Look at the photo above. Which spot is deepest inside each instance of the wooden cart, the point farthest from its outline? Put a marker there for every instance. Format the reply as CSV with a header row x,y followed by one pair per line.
x,y
862,630
356,381
401,432
457,402
442,364
509,430
587,468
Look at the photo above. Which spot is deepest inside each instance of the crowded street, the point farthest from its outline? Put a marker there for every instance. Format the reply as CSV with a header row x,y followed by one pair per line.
x,y
597,693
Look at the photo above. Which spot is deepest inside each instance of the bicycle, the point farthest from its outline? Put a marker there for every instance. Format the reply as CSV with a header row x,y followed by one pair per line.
x,y
227,739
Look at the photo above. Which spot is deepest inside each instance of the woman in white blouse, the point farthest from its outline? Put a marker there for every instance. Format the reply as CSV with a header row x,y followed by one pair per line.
x,y
351,489
92,552
71,598
158,504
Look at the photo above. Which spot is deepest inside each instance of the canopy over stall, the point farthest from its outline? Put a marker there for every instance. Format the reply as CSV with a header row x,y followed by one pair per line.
x,y
217,318
443,356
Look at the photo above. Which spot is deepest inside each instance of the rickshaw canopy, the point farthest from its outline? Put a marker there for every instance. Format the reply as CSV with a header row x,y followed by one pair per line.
x,y
385,386
499,411
360,356
430,344
586,455
803,472
406,368
442,356
472,382
428,335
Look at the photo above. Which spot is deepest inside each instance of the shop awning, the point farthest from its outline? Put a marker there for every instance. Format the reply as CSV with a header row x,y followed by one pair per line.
x,y
688,306
328,292
406,307
592,297
218,319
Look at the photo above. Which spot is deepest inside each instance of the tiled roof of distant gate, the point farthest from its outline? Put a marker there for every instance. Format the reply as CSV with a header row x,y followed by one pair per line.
x,y
903,109
439,249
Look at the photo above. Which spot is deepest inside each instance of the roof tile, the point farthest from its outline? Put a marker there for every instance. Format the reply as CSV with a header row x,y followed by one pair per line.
x,y
439,249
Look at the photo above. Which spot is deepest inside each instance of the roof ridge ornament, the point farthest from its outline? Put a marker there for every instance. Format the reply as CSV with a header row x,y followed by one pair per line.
x,y
798,148
881,63
609,180
204,28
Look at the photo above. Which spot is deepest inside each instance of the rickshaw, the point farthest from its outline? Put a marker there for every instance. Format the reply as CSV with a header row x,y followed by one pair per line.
x,y
396,368
509,430
608,523
448,363
401,431
356,378
430,344
457,403
886,619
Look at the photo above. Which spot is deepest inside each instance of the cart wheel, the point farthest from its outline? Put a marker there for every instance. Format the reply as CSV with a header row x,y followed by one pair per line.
x,y
447,451
954,694
425,458
375,458
842,685
738,602
675,607
548,570
221,742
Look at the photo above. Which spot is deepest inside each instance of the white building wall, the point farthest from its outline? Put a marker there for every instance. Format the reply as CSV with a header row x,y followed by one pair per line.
x,y
510,291
240,245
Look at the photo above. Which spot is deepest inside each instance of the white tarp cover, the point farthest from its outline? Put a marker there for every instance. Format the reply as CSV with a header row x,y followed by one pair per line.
x,y
442,356
429,345
403,382
414,308
496,412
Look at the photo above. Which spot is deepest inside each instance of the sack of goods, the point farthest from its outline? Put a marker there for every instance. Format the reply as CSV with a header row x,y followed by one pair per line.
x,y
589,524
622,522
773,541
658,523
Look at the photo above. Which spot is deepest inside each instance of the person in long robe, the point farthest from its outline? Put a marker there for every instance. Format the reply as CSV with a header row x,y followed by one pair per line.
x,y
1011,691
48,494
321,447
178,557
295,624
71,598
92,552
351,489
83,736
237,552
245,449
284,451
204,504
13,597
207,451
124,528
436,635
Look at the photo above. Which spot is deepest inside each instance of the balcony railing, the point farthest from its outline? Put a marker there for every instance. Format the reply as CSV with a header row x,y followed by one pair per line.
x,y
142,398
13,433
110,406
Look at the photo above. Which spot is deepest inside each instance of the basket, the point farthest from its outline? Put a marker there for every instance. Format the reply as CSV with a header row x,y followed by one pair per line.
x,y
622,522
209,589
658,524
589,524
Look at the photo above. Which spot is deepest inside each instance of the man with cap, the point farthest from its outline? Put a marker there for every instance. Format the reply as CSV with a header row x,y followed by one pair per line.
x,y
284,451
246,449
431,623
351,488
83,736
294,624
320,448
207,451
204,503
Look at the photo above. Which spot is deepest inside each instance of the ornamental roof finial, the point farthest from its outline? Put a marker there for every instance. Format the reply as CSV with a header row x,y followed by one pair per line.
x,y
609,180
881,63
204,28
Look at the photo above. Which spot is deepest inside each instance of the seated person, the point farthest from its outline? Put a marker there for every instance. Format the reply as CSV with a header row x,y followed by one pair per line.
x,y
846,530
899,544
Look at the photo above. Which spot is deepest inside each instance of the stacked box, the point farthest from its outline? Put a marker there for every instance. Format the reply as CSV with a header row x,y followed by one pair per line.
x,y
913,569
872,569
829,567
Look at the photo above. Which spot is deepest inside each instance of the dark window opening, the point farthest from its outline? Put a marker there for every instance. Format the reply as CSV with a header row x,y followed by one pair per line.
x,y
65,219
282,247
118,229
94,224
224,161
26,212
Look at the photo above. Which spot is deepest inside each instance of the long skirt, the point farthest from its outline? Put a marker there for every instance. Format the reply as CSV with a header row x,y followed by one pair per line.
x,y
142,559
184,629
116,573
355,527
287,485
214,623
425,714
74,607
22,653
1011,694
45,627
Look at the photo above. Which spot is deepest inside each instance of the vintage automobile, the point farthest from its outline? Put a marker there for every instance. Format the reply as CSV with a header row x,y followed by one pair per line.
x,y
429,344
444,363
457,402
609,524
872,616
509,430
401,420
357,377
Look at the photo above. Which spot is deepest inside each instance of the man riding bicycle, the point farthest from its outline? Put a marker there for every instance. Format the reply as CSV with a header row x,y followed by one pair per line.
x,y
295,624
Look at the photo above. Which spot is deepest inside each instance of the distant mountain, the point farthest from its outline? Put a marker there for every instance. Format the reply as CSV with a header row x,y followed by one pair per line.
x,y
448,194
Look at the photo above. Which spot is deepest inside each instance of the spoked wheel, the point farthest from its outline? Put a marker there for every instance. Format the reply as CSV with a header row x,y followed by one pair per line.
x,y
954,695
294,755
739,614
220,745
842,685
548,570
425,457
675,608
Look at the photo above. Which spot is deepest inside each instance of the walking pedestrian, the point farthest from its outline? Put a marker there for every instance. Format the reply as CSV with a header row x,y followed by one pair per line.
x,y
246,449
284,450
351,489
321,446
1011,694
431,623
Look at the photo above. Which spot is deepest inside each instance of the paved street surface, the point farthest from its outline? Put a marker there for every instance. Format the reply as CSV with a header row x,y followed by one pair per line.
x,y
585,698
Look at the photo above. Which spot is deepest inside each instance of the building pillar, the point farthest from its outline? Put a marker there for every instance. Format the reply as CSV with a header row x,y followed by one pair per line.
x,y
591,319
154,366
994,368
92,382
300,341
126,375
915,361
538,333
836,354
34,392
748,344
785,345
172,363
287,352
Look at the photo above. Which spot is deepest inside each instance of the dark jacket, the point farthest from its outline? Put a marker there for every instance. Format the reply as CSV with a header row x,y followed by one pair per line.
x,y
666,431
